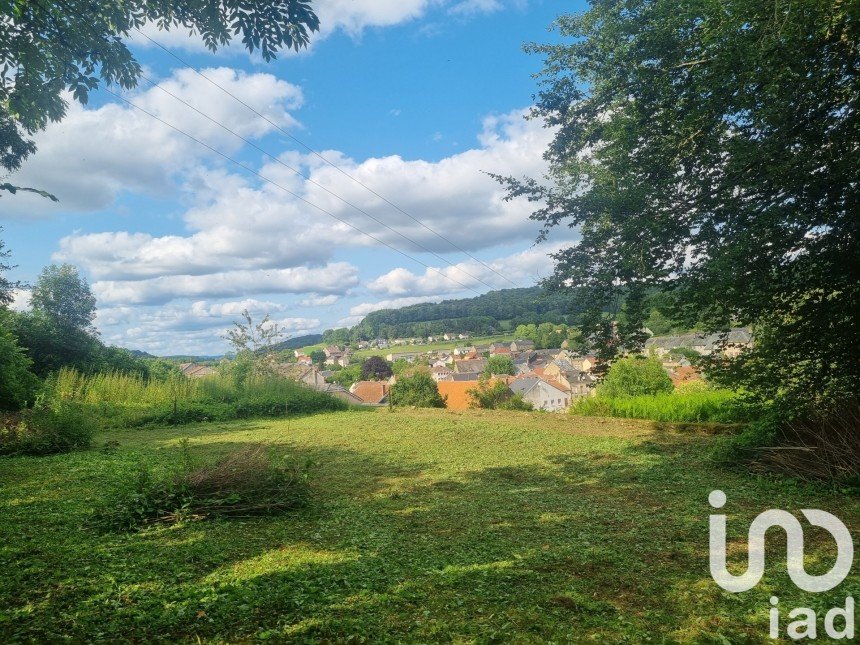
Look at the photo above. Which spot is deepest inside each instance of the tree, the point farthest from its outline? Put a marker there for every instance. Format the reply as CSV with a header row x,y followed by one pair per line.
x,y
17,383
375,368
418,390
635,376
496,395
317,357
712,147
53,47
7,286
254,346
64,297
499,365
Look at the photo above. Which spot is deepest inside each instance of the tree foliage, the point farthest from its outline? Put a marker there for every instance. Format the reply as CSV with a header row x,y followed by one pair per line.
x,y
499,365
712,146
417,390
64,297
17,383
635,376
52,47
490,394
375,368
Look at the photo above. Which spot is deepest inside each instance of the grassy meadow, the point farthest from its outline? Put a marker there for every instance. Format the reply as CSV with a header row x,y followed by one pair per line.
x,y
124,400
423,525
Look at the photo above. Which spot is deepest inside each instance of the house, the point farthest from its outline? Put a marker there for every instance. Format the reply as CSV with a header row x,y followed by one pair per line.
x,y
474,365
683,374
456,393
522,345
462,351
409,357
441,373
331,349
342,393
583,363
449,336
500,350
730,343
463,336
466,376
371,392
381,343
482,349
193,370
542,394
363,344
304,359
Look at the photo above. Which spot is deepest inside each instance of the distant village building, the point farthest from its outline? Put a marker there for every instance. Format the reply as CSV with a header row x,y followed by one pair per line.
x,y
731,344
542,394
477,365
441,373
522,345
371,392
193,370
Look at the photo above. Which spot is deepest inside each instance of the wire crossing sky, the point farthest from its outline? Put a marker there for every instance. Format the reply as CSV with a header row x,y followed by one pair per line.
x,y
317,188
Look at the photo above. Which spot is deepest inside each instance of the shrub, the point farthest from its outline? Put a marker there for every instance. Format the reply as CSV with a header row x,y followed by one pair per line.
x,y
17,383
418,390
635,376
249,482
496,395
822,445
49,427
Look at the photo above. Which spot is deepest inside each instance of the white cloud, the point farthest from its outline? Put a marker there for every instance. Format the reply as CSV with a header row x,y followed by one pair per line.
x,y
523,268
20,300
333,278
365,308
93,155
320,301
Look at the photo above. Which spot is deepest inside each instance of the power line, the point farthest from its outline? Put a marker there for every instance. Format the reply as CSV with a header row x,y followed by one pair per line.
x,y
321,157
286,190
278,160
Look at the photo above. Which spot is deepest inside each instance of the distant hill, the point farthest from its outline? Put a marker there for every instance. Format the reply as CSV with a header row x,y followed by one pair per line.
x,y
298,342
490,313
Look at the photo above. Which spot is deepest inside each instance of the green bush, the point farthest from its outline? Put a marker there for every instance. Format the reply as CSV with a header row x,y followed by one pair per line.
x,y
249,482
418,390
49,427
635,376
18,384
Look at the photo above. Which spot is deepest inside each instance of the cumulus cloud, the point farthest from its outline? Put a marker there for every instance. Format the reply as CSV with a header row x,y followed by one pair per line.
x,y
20,300
93,155
524,269
352,17
333,278
198,326
320,301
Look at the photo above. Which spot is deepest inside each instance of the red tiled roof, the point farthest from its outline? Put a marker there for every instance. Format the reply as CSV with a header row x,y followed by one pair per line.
x,y
370,391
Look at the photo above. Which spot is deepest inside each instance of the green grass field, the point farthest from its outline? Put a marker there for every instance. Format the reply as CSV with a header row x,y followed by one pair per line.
x,y
423,526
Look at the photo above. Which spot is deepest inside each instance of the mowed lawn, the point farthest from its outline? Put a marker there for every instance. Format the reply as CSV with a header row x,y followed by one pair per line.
x,y
424,526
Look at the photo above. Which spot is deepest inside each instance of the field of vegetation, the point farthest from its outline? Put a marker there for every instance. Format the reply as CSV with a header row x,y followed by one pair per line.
x,y
421,525
679,406
127,400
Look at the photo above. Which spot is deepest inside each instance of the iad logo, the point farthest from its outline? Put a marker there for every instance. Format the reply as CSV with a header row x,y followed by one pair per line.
x,y
805,628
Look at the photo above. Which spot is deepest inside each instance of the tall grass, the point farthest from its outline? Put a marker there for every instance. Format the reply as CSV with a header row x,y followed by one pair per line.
x,y
123,400
680,406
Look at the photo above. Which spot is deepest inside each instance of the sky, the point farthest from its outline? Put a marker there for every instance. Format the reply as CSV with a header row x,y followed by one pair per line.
x,y
362,186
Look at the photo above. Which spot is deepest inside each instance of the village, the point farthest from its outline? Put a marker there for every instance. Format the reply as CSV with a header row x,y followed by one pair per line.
x,y
550,380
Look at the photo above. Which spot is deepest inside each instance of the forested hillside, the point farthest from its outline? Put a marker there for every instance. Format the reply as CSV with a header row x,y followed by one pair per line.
x,y
486,314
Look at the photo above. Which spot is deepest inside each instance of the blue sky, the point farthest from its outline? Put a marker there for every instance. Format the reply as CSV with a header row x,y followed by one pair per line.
x,y
416,98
